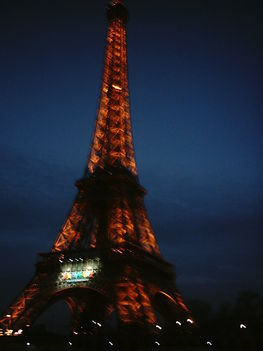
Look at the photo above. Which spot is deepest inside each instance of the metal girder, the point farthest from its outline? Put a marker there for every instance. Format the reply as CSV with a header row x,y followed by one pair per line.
x,y
112,141
73,227
26,307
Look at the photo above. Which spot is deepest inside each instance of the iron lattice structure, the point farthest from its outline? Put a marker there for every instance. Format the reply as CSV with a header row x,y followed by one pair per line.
x,y
105,260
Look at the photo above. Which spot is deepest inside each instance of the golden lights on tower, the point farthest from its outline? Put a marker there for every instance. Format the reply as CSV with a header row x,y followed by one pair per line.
x,y
105,215
112,141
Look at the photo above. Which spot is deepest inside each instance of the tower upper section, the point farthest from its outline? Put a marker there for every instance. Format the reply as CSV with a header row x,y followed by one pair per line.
x,y
112,143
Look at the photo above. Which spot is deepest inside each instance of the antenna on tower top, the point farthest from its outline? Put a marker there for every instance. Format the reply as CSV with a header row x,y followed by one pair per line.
x,y
116,9
115,2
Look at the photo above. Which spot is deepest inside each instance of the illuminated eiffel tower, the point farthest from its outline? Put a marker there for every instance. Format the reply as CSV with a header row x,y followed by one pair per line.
x,y
105,263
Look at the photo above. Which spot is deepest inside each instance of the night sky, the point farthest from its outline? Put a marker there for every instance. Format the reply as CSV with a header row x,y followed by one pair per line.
x,y
195,73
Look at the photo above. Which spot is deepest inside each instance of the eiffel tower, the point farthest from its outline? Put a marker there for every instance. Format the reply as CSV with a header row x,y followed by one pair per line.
x,y
105,263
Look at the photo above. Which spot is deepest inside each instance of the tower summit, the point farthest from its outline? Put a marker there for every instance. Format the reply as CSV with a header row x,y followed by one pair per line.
x,y
105,263
112,141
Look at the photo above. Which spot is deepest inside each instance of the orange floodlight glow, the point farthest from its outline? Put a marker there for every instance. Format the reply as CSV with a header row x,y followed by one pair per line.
x,y
107,215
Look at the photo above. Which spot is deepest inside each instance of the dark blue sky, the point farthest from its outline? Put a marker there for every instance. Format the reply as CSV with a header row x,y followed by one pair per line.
x,y
195,70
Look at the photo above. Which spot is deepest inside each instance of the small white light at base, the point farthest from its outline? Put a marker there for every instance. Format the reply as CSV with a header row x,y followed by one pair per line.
x,y
209,343
179,323
242,326
111,343
189,320
157,343
28,343
158,326
9,332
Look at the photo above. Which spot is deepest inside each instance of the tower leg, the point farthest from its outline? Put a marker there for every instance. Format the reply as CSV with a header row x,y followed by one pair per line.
x,y
26,307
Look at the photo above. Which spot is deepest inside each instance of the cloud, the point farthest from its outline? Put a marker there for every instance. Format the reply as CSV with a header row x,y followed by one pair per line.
x,y
36,195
